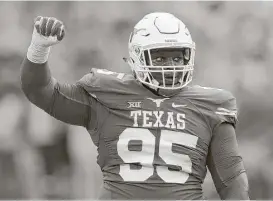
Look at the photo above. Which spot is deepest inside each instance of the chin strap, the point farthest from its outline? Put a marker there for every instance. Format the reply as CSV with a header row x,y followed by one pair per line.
x,y
161,92
168,92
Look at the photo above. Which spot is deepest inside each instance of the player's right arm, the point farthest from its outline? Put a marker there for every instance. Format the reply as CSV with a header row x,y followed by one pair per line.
x,y
66,102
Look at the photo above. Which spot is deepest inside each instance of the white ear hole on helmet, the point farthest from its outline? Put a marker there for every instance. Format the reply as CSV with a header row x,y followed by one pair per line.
x,y
137,50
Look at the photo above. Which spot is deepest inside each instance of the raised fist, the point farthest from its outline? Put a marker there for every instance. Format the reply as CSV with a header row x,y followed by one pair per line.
x,y
47,31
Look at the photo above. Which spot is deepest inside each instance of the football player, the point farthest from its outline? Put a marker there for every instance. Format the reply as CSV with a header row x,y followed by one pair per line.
x,y
156,134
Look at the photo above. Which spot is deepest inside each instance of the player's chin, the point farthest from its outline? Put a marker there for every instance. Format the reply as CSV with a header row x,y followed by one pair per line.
x,y
169,82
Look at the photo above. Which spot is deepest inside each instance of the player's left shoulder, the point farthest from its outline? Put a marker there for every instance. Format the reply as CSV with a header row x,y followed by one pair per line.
x,y
210,95
218,105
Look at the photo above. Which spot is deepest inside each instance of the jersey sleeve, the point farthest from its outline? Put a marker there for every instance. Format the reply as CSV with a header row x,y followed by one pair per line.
x,y
226,164
226,111
69,103
217,105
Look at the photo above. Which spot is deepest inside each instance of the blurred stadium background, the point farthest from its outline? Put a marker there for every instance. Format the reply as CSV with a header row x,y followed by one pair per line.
x,y
44,158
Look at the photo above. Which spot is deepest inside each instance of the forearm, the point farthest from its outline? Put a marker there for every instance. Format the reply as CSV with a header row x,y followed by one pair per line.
x,y
37,83
237,189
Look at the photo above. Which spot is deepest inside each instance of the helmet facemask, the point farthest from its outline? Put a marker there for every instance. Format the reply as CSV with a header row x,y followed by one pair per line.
x,y
164,67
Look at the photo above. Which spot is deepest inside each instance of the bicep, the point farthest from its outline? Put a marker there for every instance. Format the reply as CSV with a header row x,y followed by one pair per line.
x,y
224,160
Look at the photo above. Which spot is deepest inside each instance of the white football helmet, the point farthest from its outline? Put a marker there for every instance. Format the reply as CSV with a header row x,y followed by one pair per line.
x,y
156,31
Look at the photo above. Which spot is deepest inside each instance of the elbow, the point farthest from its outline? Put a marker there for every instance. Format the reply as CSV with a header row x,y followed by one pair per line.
x,y
25,87
41,96
30,91
31,94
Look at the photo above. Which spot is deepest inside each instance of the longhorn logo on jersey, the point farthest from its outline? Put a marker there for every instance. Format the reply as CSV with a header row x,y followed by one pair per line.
x,y
158,101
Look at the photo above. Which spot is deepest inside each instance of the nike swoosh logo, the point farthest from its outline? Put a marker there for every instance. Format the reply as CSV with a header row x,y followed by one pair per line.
x,y
175,106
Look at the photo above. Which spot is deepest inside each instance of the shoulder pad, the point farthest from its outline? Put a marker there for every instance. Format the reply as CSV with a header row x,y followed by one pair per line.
x,y
105,85
221,103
